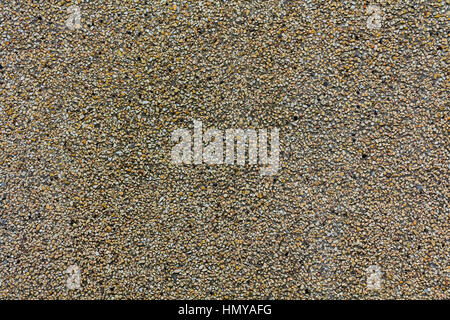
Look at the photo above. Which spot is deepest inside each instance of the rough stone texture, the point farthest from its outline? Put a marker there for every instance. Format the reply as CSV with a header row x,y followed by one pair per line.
x,y
86,178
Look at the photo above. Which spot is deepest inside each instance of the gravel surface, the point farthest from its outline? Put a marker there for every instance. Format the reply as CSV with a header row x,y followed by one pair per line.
x,y
359,208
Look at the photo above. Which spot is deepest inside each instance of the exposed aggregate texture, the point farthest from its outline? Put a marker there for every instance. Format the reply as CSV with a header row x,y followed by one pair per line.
x,y
86,178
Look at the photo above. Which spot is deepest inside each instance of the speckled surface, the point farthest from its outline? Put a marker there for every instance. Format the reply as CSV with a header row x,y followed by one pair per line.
x,y
86,177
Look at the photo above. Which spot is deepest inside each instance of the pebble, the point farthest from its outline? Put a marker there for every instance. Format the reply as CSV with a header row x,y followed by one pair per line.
x,y
85,124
